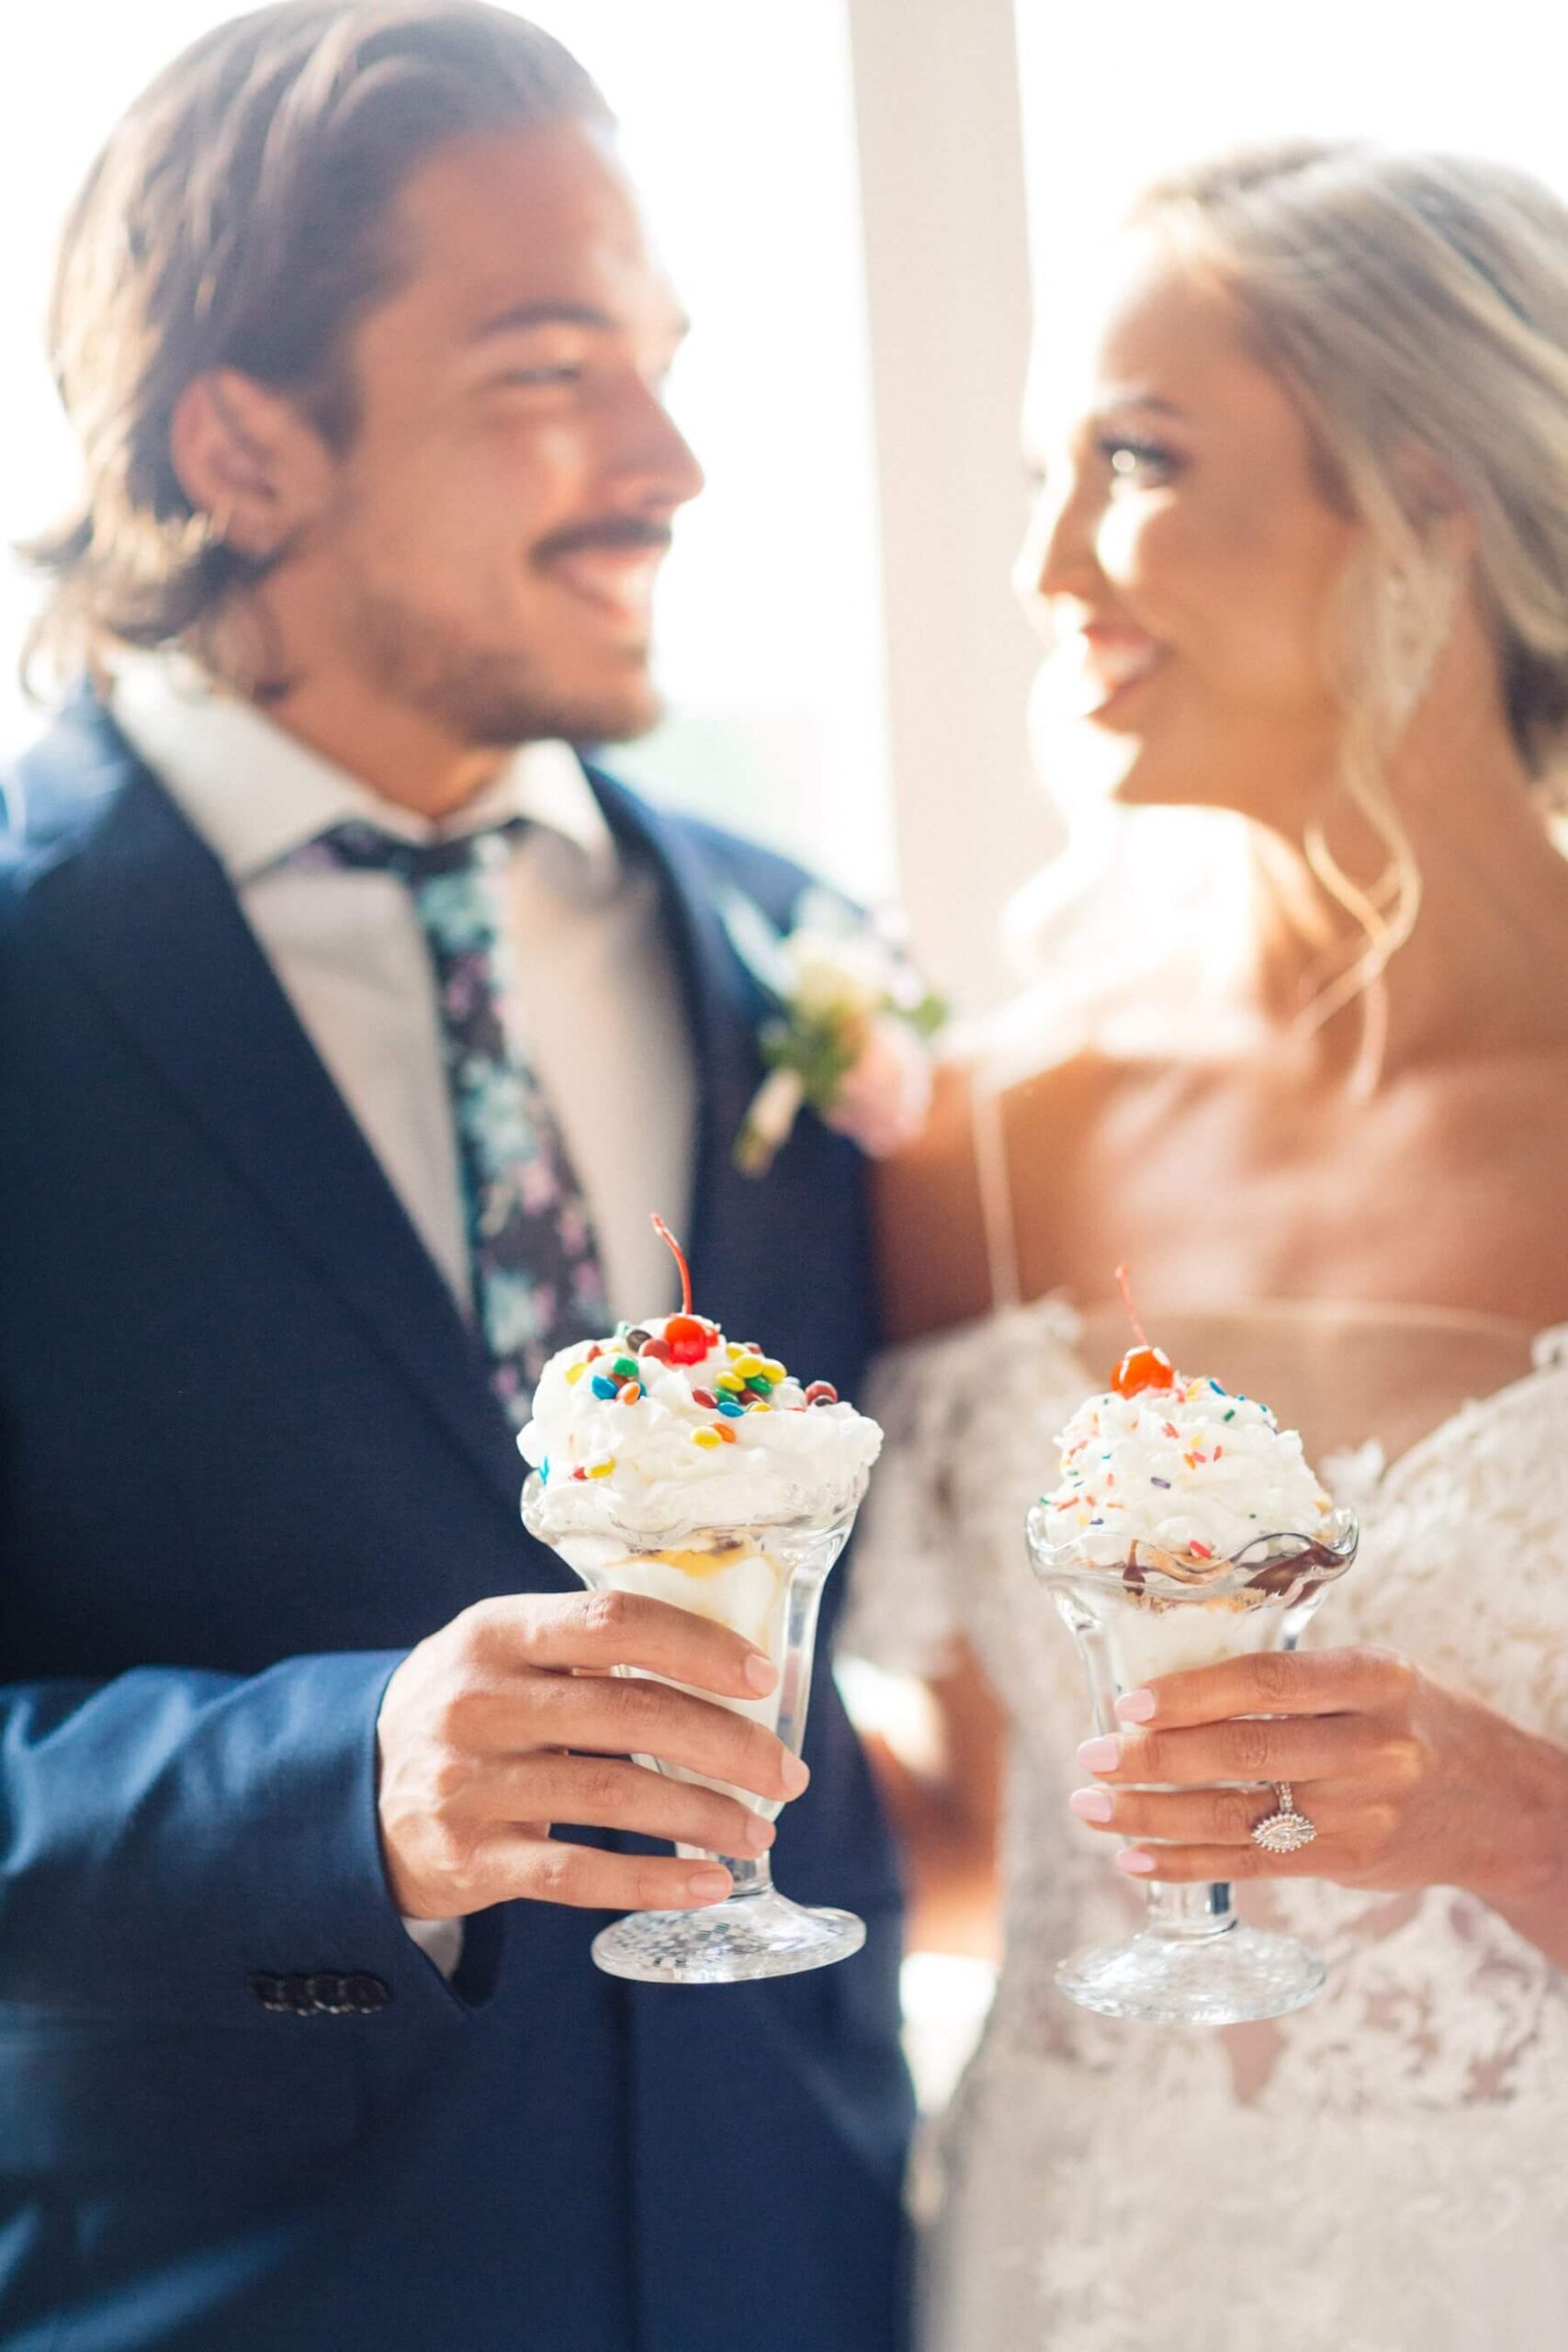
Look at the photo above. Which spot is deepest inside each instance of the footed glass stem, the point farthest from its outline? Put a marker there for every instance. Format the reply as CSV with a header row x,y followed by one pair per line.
x,y
755,1931
1193,1962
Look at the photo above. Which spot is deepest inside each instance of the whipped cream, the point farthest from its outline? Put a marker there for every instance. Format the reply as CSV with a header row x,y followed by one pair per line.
x,y
1190,1470
624,1431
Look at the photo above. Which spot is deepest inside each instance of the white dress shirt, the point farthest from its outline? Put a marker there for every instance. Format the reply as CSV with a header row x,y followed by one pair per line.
x,y
597,1004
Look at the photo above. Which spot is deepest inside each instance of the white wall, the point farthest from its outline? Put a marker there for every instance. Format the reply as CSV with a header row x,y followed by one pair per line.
x,y
947,278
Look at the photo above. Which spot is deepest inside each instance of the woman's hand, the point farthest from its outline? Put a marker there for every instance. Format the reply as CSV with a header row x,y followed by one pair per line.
x,y
1407,1783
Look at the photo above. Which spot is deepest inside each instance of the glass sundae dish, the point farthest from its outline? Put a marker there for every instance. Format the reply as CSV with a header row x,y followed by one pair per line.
x,y
672,1462
1187,1529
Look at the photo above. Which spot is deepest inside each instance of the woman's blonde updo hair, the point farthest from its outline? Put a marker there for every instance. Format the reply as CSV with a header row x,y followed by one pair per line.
x,y
1415,306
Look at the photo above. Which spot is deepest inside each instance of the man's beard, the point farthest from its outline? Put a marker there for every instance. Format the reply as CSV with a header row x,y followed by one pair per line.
x,y
491,701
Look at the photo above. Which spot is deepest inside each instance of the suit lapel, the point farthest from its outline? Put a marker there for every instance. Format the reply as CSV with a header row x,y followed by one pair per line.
x,y
146,913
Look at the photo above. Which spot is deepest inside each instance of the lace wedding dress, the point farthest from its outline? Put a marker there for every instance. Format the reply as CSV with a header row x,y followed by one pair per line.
x,y
1386,2170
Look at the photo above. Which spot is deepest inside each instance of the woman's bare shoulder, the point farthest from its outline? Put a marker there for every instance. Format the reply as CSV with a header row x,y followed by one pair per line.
x,y
934,1262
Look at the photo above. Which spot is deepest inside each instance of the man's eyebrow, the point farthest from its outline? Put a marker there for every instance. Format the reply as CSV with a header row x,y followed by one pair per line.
x,y
521,316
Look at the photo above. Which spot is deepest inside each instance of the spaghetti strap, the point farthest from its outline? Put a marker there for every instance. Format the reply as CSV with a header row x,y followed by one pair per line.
x,y
995,1192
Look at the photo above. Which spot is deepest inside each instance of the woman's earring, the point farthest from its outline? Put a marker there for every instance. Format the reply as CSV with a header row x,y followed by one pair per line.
x,y
1418,613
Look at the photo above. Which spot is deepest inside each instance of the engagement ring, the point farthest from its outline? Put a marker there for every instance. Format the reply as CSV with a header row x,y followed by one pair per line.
x,y
1285,1831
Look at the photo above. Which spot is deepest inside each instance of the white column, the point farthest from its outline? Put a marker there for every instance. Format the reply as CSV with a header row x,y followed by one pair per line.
x,y
948,292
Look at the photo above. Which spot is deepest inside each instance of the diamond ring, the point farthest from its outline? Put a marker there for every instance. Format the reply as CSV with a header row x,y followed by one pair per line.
x,y
1285,1831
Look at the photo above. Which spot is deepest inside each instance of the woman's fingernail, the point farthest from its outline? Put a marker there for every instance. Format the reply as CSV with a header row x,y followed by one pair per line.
x,y
1133,1858
710,1886
795,1775
1101,1755
1136,1707
761,1672
759,1834
1092,1805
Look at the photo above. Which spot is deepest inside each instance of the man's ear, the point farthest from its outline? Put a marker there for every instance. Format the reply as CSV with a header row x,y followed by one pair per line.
x,y
248,460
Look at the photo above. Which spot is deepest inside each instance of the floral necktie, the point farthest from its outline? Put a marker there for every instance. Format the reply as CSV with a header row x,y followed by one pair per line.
x,y
534,1261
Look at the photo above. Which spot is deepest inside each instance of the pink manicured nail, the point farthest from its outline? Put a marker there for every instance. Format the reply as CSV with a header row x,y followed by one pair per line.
x,y
1092,1805
710,1886
795,1775
1133,1858
1101,1755
761,1672
1136,1707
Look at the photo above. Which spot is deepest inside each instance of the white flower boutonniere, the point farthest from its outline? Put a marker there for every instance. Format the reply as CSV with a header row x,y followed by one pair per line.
x,y
851,1029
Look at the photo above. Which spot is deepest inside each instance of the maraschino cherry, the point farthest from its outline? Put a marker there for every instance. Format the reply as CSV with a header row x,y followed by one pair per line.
x,y
687,1339
1143,1367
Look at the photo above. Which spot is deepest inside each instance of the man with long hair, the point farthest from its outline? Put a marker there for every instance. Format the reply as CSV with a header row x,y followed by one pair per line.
x,y
350,1024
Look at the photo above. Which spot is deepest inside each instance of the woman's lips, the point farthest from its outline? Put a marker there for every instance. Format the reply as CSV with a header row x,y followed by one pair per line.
x,y
1090,669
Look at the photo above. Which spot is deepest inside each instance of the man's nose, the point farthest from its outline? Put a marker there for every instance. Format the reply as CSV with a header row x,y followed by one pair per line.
x,y
656,453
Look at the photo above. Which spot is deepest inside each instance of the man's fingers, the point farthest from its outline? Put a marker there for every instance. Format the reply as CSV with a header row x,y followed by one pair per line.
x,y
600,1630
1252,1748
1299,1682
514,1867
608,1792
631,1716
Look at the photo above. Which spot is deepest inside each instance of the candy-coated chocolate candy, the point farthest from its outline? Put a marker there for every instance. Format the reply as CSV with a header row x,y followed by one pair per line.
x,y
625,1366
594,1352
821,1392
760,1385
687,1340
1141,1369
603,1387
729,1384
774,1370
579,1472
601,1469
707,1438
575,1373
631,1391
731,1407
657,1349
705,1397
723,1430
637,1338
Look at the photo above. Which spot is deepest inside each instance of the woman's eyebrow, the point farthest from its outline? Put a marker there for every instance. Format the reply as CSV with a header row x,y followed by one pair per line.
x,y
1119,398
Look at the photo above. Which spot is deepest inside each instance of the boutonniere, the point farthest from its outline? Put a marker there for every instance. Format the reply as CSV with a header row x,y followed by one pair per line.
x,y
848,1028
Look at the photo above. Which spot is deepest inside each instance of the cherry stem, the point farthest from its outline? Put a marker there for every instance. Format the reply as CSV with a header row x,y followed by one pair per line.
x,y
1125,1287
665,1235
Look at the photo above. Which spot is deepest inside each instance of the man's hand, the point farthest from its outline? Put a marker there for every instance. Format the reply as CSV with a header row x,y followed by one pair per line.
x,y
509,1719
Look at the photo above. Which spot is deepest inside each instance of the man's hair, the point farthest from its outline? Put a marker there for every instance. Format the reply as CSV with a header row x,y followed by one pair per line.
x,y
238,217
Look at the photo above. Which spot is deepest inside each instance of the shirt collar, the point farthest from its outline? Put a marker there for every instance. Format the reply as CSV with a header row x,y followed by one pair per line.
x,y
255,792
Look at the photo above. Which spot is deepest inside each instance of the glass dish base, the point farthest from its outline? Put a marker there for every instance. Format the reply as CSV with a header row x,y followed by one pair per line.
x,y
735,1942
1232,1978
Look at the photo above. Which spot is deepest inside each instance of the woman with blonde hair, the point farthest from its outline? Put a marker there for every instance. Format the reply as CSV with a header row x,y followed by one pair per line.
x,y
1301,554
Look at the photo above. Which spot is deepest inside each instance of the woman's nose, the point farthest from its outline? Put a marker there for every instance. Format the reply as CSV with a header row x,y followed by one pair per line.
x,y
1058,557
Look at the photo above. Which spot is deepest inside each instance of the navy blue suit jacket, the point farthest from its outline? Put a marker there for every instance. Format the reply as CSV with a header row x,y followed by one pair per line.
x,y
248,1456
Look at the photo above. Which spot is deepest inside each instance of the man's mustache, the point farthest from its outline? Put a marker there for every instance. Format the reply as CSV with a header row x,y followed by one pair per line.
x,y
615,531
